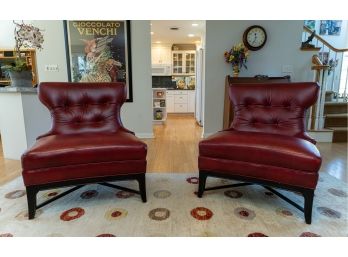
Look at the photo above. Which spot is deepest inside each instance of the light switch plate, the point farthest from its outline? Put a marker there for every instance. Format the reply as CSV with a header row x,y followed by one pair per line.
x,y
51,67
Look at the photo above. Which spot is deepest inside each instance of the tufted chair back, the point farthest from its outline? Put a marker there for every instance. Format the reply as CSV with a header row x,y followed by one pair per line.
x,y
83,107
272,108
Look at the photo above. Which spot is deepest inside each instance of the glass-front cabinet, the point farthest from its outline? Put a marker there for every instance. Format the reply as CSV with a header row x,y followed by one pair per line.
x,y
190,63
184,62
178,64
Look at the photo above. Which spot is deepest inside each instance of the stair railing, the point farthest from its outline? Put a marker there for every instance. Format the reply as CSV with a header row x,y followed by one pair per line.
x,y
333,57
316,112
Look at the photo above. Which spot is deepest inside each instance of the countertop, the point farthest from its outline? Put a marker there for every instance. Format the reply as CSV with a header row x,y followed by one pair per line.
x,y
11,89
174,89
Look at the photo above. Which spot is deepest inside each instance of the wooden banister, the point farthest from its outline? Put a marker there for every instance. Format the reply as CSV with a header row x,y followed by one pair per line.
x,y
320,67
318,64
316,60
305,28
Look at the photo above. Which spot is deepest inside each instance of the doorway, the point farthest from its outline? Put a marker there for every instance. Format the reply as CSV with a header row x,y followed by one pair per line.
x,y
177,59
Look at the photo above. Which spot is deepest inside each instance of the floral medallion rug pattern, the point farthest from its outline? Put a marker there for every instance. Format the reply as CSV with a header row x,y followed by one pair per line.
x,y
173,209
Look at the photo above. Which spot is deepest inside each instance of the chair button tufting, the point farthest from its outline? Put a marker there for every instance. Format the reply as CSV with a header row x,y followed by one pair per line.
x,y
286,104
267,103
275,121
253,121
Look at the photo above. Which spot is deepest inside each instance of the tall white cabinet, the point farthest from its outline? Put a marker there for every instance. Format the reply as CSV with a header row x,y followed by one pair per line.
x,y
191,101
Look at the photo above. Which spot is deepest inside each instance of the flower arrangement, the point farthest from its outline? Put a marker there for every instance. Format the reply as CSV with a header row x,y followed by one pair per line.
x,y
237,56
27,36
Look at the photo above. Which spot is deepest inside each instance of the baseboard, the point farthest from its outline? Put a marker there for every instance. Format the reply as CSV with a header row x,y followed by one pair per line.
x,y
322,136
144,135
205,135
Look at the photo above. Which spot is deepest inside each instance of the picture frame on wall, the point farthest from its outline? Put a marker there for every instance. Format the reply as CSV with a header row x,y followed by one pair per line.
x,y
310,24
330,27
324,57
99,51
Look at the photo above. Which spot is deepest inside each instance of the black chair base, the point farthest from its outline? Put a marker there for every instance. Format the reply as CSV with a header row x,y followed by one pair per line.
x,y
33,190
308,194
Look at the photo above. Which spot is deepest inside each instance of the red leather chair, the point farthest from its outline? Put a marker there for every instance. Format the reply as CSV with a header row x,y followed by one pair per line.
x,y
266,143
86,144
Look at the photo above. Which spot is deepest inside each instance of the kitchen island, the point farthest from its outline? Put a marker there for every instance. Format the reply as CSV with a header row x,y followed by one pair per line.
x,y
22,118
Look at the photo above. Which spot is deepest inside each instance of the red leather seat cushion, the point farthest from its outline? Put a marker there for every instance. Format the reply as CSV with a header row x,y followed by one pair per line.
x,y
83,171
277,175
66,150
263,149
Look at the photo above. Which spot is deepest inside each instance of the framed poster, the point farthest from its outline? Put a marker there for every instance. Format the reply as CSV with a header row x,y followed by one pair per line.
x,y
99,51
330,27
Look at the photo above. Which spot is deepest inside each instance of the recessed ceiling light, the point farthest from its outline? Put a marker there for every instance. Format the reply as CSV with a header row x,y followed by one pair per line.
x,y
190,35
158,42
152,32
194,24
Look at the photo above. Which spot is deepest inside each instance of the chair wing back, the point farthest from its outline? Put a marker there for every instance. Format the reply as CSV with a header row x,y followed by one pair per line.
x,y
83,107
272,108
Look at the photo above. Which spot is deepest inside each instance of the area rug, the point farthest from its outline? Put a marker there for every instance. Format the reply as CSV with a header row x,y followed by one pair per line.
x,y
173,209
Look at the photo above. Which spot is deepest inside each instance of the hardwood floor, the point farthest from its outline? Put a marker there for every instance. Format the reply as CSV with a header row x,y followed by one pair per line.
x,y
175,146
175,150
334,159
9,169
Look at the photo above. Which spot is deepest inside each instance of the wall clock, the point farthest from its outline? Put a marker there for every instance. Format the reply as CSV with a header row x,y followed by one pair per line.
x,y
254,37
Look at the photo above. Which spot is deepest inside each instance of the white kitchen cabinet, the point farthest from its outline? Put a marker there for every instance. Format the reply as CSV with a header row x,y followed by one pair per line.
x,y
191,101
183,62
180,101
161,54
180,108
170,103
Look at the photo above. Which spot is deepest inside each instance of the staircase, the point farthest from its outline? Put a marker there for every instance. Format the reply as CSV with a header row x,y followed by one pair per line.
x,y
336,117
330,113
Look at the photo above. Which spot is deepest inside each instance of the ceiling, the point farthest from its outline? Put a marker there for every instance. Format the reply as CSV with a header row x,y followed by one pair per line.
x,y
163,34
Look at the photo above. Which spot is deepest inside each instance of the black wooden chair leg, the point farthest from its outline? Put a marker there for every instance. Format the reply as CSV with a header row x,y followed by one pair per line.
x,y
201,185
308,197
142,187
31,197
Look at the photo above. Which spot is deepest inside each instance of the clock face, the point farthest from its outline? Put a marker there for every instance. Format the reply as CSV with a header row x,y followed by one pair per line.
x,y
255,37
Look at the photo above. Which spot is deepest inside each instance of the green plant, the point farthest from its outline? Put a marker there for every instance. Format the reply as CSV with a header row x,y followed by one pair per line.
x,y
18,65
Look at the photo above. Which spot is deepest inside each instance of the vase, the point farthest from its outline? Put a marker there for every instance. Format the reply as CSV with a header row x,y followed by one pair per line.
x,y
21,78
235,71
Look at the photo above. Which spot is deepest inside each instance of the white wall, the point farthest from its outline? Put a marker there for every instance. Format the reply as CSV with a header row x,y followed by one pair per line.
x,y
340,41
7,34
12,127
37,119
282,48
53,51
136,116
